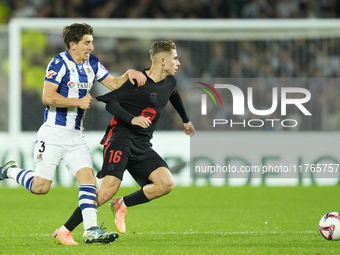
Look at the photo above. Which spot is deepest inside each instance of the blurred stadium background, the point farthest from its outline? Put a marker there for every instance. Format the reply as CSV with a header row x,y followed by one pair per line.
x,y
235,38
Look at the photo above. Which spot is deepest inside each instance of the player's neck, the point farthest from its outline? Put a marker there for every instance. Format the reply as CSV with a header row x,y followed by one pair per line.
x,y
75,58
156,74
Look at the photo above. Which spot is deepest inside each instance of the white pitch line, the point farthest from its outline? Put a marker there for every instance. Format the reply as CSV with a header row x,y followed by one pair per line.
x,y
226,233
190,233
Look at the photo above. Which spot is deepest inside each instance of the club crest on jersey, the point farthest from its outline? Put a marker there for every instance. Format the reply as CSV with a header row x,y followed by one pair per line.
x,y
89,71
50,74
153,97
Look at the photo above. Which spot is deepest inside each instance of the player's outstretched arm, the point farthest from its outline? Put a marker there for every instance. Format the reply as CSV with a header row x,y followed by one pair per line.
x,y
189,129
51,97
114,83
177,103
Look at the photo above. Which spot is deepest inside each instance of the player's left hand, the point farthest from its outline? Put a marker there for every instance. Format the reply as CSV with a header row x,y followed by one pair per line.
x,y
138,76
189,129
141,121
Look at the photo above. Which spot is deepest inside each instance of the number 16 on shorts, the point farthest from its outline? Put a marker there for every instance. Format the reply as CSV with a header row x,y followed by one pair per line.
x,y
115,156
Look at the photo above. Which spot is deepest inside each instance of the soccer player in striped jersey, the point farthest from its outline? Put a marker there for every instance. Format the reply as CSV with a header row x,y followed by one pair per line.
x,y
127,139
68,81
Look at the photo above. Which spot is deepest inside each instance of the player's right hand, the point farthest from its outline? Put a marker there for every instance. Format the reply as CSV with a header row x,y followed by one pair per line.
x,y
85,102
138,76
141,121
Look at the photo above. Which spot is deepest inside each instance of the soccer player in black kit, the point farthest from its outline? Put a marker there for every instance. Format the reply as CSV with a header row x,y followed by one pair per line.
x,y
127,139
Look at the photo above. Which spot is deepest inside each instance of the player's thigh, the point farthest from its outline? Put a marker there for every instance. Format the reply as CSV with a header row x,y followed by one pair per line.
x,y
142,168
115,159
48,151
162,176
78,159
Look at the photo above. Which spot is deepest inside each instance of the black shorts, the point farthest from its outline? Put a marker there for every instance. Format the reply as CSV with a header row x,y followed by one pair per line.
x,y
119,157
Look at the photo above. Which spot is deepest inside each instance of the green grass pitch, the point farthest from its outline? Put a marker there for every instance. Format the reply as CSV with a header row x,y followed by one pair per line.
x,y
190,220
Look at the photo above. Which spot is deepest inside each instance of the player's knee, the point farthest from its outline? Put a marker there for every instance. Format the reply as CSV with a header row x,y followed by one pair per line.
x,y
85,176
167,186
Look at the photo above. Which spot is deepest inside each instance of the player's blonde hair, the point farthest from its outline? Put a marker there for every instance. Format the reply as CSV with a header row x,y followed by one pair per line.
x,y
161,46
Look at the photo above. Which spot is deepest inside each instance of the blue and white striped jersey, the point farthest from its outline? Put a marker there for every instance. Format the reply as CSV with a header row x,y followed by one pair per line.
x,y
75,81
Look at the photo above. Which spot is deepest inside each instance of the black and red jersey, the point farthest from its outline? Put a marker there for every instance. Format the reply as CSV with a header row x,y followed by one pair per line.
x,y
130,101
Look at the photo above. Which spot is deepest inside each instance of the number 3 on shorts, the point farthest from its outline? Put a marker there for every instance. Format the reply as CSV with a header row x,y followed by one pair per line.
x,y
115,156
42,148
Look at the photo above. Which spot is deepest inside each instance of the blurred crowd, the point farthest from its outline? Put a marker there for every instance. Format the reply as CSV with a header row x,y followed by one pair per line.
x,y
292,58
301,58
170,8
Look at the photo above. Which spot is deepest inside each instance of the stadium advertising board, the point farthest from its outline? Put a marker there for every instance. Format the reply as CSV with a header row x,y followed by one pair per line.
x,y
265,129
264,157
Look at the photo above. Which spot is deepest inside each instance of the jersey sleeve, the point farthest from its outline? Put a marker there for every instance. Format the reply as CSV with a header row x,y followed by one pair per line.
x,y
177,103
119,95
115,109
99,70
114,98
55,70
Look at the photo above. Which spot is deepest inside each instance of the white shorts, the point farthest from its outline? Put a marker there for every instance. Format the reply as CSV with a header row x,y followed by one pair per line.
x,y
54,144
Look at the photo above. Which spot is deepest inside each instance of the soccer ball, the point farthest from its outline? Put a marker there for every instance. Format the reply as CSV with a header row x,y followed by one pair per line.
x,y
329,226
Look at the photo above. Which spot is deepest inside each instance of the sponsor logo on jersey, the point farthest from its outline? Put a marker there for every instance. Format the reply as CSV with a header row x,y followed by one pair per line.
x,y
50,74
153,97
57,61
83,85
71,84
79,85
72,69
149,112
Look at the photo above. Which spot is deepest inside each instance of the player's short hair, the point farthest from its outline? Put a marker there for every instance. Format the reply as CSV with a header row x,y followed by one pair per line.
x,y
75,33
161,46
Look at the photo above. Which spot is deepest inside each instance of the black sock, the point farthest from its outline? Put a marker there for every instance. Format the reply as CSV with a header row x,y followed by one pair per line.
x,y
135,198
75,219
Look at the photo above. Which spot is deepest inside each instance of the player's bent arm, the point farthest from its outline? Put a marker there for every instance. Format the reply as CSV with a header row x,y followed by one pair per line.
x,y
114,83
115,109
51,97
